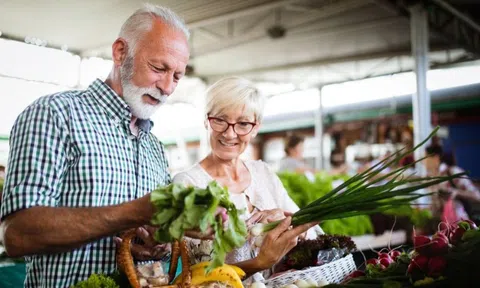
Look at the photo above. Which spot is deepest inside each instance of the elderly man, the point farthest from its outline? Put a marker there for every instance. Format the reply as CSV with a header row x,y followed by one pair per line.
x,y
82,163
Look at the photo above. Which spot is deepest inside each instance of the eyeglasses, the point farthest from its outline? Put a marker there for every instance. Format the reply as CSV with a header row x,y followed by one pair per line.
x,y
240,128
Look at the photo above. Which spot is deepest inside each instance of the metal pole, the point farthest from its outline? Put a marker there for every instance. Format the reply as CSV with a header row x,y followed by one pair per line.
x,y
421,99
319,132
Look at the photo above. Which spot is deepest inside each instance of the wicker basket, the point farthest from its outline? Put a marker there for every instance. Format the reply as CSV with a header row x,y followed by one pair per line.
x,y
176,253
333,272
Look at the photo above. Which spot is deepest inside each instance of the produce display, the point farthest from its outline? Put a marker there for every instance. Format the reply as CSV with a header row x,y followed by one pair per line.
x,y
305,254
447,259
180,208
359,195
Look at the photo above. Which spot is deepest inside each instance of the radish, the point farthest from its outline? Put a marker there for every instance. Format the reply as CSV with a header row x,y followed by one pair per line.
x,y
421,261
456,235
440,235
472,224
394,254
386,261
382,267
439,246
413,268
421,244
383,255
436,266
373,261
356,273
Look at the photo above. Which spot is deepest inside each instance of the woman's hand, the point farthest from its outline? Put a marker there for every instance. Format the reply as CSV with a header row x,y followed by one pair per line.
x,y
279,242
267,216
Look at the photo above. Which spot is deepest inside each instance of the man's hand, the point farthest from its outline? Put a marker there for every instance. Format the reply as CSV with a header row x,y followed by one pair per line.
x,y
150,249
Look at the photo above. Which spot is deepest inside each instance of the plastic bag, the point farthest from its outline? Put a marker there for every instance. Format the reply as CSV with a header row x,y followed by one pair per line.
x,y
327,256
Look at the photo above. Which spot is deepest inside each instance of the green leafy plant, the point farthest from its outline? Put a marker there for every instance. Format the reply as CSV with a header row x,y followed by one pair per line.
x,y
97,281
180,208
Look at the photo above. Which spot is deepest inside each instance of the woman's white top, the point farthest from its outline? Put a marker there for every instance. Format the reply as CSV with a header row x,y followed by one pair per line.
x,y
264,193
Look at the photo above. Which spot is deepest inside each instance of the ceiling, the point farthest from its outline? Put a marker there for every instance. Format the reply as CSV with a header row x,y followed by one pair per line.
x,y
324,41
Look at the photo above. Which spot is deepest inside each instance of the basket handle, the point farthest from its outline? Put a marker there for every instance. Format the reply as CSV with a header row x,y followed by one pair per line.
x,y
126,264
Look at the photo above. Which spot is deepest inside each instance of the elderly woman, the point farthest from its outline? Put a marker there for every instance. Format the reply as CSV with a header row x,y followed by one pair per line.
x,y
234,110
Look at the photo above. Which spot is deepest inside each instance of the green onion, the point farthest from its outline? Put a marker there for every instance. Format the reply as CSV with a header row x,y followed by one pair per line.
x,y
362,197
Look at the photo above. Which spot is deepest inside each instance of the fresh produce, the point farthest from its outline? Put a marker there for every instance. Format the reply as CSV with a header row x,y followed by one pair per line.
x,y
303,192
363,197
180,208
305,253
434,262
227,274
97,281
125,258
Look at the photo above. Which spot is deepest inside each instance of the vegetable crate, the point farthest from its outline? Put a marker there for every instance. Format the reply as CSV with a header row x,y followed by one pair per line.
x,y
333,272
127,266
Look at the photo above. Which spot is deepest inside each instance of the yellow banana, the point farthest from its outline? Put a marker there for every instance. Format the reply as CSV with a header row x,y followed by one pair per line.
x,y
226,274
238,270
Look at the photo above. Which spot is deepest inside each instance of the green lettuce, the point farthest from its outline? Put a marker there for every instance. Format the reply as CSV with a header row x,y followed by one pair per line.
x,y
180,208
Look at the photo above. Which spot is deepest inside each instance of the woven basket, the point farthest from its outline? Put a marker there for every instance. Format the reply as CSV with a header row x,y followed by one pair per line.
x,y
333,272
127,266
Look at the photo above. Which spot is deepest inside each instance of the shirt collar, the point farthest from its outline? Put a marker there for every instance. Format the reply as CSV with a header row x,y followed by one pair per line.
x,y
114,105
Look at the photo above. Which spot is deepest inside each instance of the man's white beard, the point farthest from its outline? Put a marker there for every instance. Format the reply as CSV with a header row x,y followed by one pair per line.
x,y
133,94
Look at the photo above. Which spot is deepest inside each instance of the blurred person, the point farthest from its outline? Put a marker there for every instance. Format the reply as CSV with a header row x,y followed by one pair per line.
x,y
454,196
2,173
82,164
294,162
234,111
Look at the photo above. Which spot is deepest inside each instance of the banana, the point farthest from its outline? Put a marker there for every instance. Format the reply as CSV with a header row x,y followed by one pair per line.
x,y
238,270
227,274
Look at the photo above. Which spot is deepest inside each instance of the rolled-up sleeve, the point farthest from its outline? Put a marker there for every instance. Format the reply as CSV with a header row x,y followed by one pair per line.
x,y
37,160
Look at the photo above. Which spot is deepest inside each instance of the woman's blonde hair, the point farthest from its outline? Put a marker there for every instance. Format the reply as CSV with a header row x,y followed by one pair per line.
x,y
234,93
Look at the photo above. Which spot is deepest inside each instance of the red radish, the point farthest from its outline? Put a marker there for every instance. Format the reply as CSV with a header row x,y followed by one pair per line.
x,y
440,235
386,261
373,261
439,246
436,266
394,254
421,244
472,224
382,267
413,268
356,273
456,235
383,255
467,224
421,261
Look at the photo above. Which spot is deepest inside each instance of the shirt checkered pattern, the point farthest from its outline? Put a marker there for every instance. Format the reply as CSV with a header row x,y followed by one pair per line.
x,y
75,149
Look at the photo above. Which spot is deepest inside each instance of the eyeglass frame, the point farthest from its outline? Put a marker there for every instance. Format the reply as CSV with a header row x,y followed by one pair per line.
x,y
231,124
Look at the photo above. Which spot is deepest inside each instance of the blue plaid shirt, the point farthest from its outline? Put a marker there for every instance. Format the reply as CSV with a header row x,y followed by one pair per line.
x,y
75,149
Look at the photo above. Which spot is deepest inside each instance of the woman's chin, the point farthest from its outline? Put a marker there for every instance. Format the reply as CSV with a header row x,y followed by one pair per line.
x,y
227,155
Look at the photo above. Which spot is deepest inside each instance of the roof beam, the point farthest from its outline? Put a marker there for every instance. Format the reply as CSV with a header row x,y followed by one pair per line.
x,y
240,13
327,11
402,51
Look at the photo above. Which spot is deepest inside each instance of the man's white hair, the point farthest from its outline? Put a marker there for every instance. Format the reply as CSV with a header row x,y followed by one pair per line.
x,y
141,22
233,93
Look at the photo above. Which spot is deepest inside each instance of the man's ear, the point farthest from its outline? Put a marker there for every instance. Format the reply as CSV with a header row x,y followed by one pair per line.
x,y
119,51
